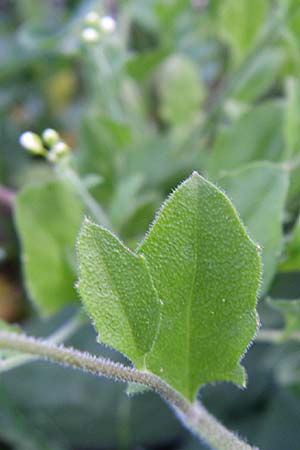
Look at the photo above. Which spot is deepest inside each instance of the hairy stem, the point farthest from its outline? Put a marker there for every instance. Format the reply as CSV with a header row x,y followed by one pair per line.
x,y
65,172
194,416
59,335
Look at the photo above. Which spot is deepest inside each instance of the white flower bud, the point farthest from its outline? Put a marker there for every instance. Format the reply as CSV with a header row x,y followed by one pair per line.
x,y
50,136
32,142
90,35
60,148
92,19
107,24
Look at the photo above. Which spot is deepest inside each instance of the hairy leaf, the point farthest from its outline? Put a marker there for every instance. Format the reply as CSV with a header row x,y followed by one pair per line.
x,y
206,271
200,262
48,217
117,292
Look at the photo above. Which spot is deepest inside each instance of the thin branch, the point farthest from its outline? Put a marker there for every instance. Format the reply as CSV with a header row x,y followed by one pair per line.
x,y
194,416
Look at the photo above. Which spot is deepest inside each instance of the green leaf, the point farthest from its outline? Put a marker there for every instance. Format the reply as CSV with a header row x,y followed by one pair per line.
x,y
256,135
179,74
259,74
259,192
206,271
118,293
203,267
48,217
290,309
240,23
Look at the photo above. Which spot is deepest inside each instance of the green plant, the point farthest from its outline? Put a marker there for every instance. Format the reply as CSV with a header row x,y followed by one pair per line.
x,y
182,308
143,94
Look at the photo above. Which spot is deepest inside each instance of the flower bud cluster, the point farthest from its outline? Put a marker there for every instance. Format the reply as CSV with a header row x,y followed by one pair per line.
x,y
49,144
96,26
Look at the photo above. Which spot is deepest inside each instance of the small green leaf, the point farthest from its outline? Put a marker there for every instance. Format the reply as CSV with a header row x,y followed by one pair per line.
x,y
48,217
118,293
206,271
259,192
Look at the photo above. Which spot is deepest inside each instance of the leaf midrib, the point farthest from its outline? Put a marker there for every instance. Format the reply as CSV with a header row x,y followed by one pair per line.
x,y
189,308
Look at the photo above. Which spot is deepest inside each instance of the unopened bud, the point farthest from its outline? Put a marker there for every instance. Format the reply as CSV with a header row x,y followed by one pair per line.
x,y
92,19
58,150
32,143
90,35
50,137
107,24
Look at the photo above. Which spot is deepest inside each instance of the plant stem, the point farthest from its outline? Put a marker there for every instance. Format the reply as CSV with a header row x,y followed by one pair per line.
x,y
65,172
194,416
59,335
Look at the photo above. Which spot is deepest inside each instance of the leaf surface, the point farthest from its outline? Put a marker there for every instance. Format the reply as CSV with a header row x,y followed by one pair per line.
x,y
48,217
206,271
117,292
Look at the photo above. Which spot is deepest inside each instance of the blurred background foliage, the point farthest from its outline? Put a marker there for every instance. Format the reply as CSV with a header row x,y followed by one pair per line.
x,y
168,87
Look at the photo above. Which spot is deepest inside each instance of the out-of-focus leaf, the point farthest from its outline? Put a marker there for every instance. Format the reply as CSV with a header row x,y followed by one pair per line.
x,y
292,117
258,75
240,23
291,254
290,309
259,192
256,135
48,218
141,65
181,91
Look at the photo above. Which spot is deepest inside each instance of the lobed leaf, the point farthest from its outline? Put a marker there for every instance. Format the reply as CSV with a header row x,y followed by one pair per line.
x,y
206,271
199,260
